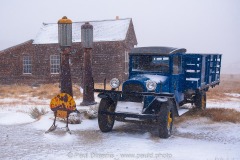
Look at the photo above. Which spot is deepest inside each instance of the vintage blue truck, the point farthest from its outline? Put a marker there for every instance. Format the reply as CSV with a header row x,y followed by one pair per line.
x,y
161,80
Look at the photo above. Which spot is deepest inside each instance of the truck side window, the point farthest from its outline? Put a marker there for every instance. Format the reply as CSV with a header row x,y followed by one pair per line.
x,y
177,65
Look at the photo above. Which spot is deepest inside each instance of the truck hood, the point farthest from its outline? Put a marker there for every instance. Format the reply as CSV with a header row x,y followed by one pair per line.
x,y
141,79
138,83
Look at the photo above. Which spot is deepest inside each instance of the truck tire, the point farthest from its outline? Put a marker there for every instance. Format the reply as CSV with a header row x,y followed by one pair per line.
x,y
106,122
200,100
165,121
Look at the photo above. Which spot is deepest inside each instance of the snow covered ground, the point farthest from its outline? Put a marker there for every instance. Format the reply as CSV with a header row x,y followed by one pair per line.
x,y
22,137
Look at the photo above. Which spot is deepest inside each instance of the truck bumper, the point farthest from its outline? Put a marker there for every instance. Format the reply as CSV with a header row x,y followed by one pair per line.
x,y
115,93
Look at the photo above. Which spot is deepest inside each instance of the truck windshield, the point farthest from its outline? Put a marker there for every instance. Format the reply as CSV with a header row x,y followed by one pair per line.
x,y
150,64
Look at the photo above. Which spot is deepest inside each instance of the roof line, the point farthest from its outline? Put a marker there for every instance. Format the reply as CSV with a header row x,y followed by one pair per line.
x,y
156,51
177,50
94,21
15,46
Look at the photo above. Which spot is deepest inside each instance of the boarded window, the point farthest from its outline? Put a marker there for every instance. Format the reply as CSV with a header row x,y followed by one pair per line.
x,y
27,65
55,64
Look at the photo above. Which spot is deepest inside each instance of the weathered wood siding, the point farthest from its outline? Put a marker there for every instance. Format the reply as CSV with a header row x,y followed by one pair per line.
x,y
108,61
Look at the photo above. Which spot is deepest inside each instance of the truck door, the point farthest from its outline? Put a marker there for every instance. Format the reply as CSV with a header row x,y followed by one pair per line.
x,y
177,77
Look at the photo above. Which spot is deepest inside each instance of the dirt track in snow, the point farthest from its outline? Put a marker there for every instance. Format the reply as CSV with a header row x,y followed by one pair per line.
x,y
195,139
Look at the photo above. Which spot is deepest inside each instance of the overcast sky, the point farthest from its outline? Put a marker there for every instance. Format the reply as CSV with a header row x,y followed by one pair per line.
x,y
202,26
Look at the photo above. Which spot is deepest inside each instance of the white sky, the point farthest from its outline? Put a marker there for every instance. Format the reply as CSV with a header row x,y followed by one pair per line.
x,y
203,26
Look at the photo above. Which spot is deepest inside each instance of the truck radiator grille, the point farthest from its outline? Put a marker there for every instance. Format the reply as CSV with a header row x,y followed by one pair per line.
x,y
133,88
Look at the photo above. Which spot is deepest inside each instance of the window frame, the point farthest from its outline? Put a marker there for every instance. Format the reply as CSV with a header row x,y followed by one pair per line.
x,y
54,66
27,64
157,63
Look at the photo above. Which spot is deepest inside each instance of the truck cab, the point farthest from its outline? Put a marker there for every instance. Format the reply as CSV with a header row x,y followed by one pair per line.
x,y
156,69
161,79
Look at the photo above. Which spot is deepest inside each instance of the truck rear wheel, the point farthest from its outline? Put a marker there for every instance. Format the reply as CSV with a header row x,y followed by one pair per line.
x,y
106,122
200,100
165,121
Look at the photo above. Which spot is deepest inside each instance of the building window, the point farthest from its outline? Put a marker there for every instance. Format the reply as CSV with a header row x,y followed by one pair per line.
x,y
27,65
126,62
55,64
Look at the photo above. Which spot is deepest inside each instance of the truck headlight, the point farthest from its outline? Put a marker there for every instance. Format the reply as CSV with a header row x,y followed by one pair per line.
x,y
151,85
114,83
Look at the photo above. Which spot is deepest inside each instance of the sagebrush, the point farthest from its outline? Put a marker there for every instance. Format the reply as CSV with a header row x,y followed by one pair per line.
x,y
215,114
36,113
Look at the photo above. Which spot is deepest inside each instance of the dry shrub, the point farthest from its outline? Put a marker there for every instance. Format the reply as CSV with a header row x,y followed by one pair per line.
x,y
35,113
215,114
47,91
14,90
101,86
222,115
228,84
44,91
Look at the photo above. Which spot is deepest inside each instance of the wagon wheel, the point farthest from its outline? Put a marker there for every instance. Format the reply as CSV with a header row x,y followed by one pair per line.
x,y
106,122
165,121
200,100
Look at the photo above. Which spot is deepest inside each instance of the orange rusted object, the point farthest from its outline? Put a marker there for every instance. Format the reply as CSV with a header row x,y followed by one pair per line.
x,y
62,105
63,102
62,114
64,20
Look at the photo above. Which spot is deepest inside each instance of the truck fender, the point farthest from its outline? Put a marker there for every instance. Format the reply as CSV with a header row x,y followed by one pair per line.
x,y
103,95
175,106
113,96
156,104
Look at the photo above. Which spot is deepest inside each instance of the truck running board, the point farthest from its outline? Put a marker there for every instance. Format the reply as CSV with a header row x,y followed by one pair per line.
x,y
182,111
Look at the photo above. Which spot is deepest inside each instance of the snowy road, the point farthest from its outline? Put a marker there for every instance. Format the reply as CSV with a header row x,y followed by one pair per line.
x,y
199,139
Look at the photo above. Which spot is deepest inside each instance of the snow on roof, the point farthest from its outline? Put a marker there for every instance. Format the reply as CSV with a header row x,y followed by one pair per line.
x,y
105,30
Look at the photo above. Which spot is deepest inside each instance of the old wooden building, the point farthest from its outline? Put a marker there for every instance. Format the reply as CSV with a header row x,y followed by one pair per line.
x,y
38,61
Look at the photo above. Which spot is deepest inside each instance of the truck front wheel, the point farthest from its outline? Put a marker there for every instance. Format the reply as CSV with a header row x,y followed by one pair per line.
x,y
105,121
165,121
200,100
